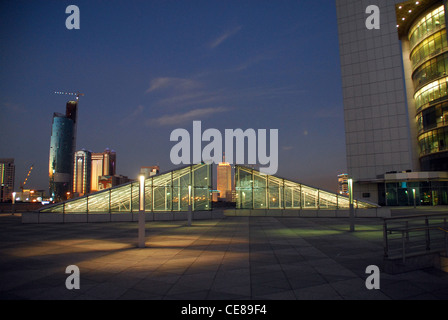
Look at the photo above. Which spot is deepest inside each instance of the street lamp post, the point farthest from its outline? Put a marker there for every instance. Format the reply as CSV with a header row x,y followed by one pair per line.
x,y
189,214
413,194
141,214
352,211
13,203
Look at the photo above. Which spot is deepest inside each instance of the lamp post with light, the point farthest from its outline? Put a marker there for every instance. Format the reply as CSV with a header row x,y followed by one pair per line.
x,y
413,194
141,214
13,202
352,211
189,214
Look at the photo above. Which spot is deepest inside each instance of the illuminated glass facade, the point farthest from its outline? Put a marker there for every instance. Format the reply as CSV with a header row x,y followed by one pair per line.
x,y
170,191
61,156
7,176
81,172
428,45
424,193
259,191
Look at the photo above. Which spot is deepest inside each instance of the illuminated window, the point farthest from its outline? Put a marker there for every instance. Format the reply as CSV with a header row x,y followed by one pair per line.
x,y
433,21
429,47
431,93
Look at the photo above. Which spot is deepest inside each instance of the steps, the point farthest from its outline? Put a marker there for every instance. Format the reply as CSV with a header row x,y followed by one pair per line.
x,y
412,263
443,263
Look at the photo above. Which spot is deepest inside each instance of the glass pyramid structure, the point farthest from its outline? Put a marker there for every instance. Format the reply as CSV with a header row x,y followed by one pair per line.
x,y
255,190
165,192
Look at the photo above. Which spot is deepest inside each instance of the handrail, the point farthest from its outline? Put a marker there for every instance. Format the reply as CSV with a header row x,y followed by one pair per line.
x,y
442,229
417,216
406,230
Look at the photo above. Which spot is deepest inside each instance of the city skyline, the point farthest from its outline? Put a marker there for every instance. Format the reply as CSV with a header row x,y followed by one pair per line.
x,y
147,68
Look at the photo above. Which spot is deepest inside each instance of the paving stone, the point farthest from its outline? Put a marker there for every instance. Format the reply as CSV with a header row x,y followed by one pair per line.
x,y
235,258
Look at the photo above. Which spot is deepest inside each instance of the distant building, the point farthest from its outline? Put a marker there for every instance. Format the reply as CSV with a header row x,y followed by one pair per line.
x,y
103,164
29,195
224,181
149,171
7,176
82,173
106,182
62,150
343,184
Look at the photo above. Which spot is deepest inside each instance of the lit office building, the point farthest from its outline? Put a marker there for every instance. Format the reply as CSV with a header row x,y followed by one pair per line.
x,y
395,97
62,150
7,176
224,181
343,184
82,172
103,164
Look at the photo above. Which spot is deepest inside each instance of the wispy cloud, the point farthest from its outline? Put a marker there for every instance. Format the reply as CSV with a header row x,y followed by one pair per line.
x,y
223,37
190,98
133,116
250,62
267,92
179,118
178,84
14,107
169,92
324,113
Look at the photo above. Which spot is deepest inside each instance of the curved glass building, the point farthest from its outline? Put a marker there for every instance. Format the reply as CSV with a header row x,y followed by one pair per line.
x,y
428,48
395,95
62,149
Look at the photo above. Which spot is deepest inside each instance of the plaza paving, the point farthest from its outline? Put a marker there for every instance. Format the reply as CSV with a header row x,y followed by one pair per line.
x,y
234,258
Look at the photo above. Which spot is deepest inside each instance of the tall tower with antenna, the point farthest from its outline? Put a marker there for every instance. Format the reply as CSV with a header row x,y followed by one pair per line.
x,y
62,149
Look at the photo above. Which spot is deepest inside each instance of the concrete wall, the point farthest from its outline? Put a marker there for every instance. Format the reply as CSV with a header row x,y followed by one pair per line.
x,y
376,118
359,213
40,217
20,206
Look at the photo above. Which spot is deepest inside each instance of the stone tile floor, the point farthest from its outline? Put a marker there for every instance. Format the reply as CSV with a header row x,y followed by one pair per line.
x,y
235,258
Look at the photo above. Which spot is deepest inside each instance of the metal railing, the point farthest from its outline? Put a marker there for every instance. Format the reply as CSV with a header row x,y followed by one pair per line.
x,y
407,236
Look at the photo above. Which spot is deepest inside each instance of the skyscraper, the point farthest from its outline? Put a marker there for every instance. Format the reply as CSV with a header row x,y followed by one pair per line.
x,y
343,184
395,99
103,164
7,176
149,171
82,172
224,181
62,150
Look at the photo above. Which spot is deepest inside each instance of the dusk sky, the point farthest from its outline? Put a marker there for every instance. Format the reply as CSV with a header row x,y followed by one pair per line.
x,y
149,67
